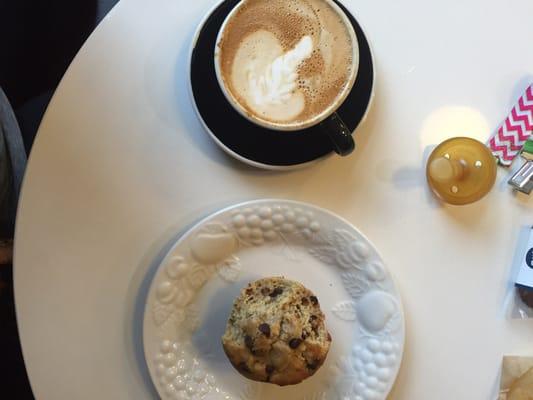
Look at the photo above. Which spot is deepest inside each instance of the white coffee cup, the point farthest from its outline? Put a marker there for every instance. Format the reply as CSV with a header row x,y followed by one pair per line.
x,y
327,119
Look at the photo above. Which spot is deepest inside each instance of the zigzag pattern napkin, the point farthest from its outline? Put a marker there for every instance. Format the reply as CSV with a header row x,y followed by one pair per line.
x,y
514,131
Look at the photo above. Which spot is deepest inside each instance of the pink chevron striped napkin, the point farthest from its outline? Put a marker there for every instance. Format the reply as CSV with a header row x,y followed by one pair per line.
x,y
514,131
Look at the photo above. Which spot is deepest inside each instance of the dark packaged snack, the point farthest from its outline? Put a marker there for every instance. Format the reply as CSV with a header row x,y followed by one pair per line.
x,y
521,285
526,295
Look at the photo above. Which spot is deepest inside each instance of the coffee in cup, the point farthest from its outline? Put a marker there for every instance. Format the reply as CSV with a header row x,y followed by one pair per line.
x,y
286,65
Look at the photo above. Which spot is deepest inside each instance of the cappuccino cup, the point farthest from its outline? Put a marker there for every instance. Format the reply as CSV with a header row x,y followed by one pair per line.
x,y
288,65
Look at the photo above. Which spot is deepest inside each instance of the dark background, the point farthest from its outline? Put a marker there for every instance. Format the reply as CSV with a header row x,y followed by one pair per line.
x,y
38,40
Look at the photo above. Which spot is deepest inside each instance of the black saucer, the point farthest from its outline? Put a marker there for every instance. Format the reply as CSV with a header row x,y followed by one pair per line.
x,y
249,141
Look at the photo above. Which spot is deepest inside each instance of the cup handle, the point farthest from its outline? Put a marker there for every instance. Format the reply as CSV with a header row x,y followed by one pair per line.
x,y
339,134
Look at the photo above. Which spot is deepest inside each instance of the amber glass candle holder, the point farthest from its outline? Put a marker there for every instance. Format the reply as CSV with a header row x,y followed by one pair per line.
x,y
461,170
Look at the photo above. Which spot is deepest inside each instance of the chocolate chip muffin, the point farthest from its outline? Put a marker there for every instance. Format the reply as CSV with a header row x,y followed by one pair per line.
x,y
276,332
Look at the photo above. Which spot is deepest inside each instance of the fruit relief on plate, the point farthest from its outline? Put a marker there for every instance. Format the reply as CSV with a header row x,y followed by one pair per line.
x,y
516,381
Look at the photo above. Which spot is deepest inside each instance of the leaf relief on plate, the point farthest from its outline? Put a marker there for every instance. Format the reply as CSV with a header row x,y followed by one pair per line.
x,y
345,310
341,248
230,269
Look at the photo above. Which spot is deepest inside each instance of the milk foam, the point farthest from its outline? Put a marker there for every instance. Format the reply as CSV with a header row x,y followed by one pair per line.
x,y
271,75
286,62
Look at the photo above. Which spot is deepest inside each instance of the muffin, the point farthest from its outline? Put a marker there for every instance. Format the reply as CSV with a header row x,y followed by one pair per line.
x,y
276,332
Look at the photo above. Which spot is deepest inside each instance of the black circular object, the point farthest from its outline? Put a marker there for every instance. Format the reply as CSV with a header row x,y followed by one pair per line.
x,y
529,258
252,142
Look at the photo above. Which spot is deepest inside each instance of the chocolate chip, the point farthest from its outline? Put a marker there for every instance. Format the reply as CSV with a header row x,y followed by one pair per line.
x,y
313,365
249,342
313,318
269,369
314,300
305,301
264,329
244,367
276,292
304,335
329,337
249,291
294,343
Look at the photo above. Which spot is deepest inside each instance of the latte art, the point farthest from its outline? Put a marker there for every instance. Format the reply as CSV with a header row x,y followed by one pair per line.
x,y
277,82
287,62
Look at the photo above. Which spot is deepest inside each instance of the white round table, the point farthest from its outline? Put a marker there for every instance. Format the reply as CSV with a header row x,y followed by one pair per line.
x,y
121,166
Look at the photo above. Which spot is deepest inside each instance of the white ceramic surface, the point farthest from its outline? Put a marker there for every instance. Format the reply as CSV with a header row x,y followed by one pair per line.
x,y
121,164
194,288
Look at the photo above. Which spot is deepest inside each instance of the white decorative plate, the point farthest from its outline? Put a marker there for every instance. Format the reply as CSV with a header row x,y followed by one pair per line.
x,y
194,288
